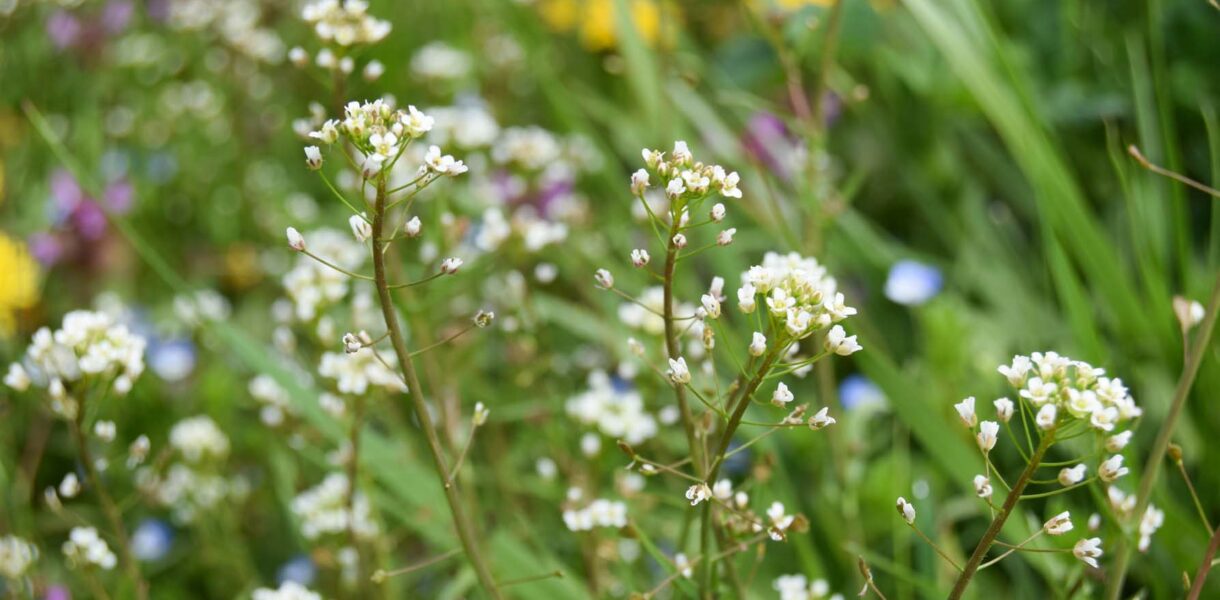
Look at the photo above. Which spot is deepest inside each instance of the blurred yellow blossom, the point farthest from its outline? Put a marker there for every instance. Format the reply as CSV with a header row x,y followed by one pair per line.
x,y
596,22
18,281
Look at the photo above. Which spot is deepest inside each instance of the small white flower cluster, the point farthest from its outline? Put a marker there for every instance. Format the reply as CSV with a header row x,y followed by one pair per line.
x,y
381,133
16,556
273,398
234,21
199,439
313,286
1061,389
438,61
1152,521
466,126
87,344
616,412
289,590
799,587
801,295
599,513
683,177
355,372
85,548
323,510
189,491
345,22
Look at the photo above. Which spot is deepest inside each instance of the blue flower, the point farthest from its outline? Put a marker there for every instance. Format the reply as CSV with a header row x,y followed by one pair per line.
x,y
300,570
912,283
858,391
152,540
172,360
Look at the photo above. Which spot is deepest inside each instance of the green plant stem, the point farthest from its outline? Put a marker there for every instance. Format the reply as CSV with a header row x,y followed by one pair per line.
x,y
1190,369
740,402
109,508
997,523
353,474
462,523
1196,585
674,351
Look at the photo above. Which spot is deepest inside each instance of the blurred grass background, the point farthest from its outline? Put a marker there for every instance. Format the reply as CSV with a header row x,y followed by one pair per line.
x,y
987,139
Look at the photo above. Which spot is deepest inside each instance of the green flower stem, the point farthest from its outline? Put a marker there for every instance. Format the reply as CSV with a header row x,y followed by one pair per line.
x,y
997,523
1190,369
462,523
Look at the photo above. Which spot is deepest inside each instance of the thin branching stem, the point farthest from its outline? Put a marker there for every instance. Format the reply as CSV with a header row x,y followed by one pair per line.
x,y
462,523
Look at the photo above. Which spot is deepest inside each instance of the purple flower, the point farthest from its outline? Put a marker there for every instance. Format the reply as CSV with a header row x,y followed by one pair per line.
x,y
64,29
58,592
768,141
116,15
65,192
89,220
46,249
119,196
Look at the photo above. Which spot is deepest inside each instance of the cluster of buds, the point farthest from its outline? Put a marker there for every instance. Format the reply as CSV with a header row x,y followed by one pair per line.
x,y
685,178
1061,389
800,294
381,133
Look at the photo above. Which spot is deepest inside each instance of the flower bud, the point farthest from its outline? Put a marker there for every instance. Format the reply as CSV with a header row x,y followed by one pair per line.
x,y
295,240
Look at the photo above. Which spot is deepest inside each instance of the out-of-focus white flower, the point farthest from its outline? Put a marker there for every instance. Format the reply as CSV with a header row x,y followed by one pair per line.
x,y
440,61
105,431
16,556
679,241
780,521
1152,520
1004,409
678,372
1112,468
982,486
698,493
1088,550
324,509
683,565
604,279
717,213
70,486
965,411
1059,524
85,548
782,395
821,419
724,238
198,438
599,513
711,306
1072,476
906,509
988,433
723,490
373,70
639,182
758,344
1118,441
450,265
840,343
639,257
362,230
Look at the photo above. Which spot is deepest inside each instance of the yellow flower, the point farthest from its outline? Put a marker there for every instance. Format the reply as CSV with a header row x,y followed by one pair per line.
x,y
18,281
597,22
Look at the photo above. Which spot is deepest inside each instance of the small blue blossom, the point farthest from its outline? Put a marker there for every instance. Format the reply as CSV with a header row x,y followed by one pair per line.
x,y
152,540
857,391
912,283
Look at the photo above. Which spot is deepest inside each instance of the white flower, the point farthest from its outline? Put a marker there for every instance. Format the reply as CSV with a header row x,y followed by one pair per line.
x,y
1118,441
590,444
373,70
723,490
1152,521
372,165
724,238
313,157
16,556
679,241
1004,409
717,213
746,298
1016,372
906,509
782,395
675,188
821,419
298,56
481,413
639,182
1112,468
988,432
70,486
678,373
295,240
85,547
105,431
840,343
361,228
604,279
1046,416
288,590
758,345
683,565
198,438
483,318
351,343
1072,476
965,411
1059,524
698,493
710,305
640,257
728,185
17,378
982,486
413,227
450,265
443,164
1087,550
681,153
780,521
